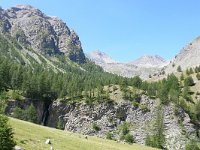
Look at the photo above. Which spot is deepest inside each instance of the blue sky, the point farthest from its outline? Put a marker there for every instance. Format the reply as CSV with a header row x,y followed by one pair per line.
x,y
126,29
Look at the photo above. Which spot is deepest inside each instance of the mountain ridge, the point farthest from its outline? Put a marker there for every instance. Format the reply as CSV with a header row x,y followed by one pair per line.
x,y
143,66
187,57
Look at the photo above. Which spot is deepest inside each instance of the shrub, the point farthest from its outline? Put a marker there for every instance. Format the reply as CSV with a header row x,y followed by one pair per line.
x,y
179,69
6,134
28,114
153,141
18,113
124,128
31,114
197,110
60,124
144,108
158,138
198,76
135,104
15,95
95,127
129,138
109,136
191,71
182,77
192,146
189,81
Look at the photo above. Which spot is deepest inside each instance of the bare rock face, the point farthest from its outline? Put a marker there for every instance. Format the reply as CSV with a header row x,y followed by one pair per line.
x,y
148,61
45,34
81,117
100,57
188,57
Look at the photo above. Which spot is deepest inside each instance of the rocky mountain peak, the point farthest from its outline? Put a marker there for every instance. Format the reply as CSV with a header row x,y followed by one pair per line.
x,y
100,57
21,11
150,61
45,34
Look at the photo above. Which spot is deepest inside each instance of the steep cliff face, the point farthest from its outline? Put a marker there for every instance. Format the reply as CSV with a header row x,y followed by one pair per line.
x,y
108,118
44,34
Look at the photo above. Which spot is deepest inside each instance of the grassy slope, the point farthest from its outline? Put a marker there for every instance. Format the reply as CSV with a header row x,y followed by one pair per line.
x,y
31,136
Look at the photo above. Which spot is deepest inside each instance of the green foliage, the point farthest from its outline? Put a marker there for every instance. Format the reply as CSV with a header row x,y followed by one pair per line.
x,y
6,134
31,114
166,90
179,69
124,133
191,71
3,99
197,110
28,114
109,136
186,94
192,146
60,124
144,108
96,127
198,76
174,96
129,138
18,113
182,77
124,128
136,81
163,94
197,69
157,139
189,81
135,104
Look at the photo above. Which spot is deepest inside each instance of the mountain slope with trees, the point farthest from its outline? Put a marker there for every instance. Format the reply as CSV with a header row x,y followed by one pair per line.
x,y
46,79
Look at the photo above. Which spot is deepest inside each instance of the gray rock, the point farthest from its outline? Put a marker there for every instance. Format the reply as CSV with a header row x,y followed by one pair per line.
x,y
48,141
18,148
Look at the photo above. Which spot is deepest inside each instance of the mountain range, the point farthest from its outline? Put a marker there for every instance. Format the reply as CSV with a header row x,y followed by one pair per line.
x,y
143,66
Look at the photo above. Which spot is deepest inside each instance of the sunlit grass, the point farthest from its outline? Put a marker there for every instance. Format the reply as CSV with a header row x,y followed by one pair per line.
x,y
31,136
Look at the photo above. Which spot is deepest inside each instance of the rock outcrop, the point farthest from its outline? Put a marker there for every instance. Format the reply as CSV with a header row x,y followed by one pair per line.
x,y
109,117
81,117
45,34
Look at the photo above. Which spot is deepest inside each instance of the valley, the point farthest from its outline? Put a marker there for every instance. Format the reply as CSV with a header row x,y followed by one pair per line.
x,y
47,79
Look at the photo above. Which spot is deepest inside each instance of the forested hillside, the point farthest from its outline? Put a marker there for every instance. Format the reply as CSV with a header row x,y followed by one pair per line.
x,y
46,79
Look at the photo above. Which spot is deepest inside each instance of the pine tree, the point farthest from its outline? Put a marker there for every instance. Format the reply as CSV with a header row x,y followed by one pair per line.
x,y
6,134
